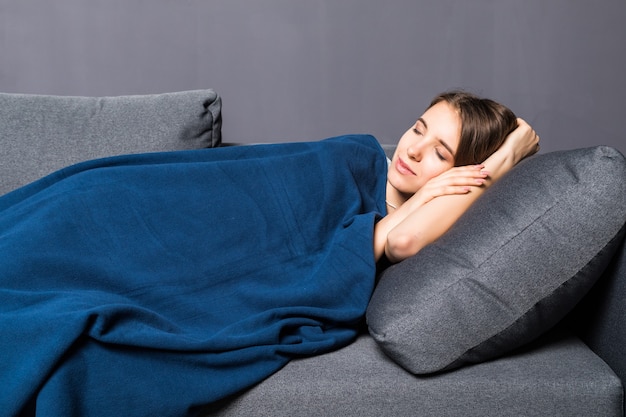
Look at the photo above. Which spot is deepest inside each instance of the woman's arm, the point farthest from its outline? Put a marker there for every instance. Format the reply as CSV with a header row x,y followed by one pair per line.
x,y
423,219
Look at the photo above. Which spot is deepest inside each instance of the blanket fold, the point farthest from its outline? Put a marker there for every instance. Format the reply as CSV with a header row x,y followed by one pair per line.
x,y
152,284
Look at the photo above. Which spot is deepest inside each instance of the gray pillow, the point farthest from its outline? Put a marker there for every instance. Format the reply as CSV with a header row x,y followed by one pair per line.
x,y
40,134
515,264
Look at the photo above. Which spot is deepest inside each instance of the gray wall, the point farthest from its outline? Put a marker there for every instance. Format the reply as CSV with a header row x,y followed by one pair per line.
x,y
304,70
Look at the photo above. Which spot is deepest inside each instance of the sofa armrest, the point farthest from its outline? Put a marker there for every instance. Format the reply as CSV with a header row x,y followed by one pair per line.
x,y
600,318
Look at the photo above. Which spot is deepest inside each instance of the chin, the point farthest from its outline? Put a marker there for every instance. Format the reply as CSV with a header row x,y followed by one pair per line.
x,y
401,187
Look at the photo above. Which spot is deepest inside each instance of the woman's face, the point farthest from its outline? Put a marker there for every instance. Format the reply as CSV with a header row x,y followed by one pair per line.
x,y
426,150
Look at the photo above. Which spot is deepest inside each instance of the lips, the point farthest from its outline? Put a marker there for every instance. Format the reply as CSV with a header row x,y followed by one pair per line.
x,y
403,168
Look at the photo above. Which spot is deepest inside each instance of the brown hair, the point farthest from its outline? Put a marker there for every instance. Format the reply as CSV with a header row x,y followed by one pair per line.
x,y
484,125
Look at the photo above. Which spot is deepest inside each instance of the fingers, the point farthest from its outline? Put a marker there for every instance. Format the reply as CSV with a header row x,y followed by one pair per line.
x,y
457,180
458,190
531,132
525,139
464,175
522,123
537,141
534,141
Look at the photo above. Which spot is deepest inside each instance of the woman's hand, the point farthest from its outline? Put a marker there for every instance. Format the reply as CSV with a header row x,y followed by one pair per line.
x,y
522,142
457,180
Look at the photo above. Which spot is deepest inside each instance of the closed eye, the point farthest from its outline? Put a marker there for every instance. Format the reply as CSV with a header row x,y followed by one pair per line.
x,y
443,143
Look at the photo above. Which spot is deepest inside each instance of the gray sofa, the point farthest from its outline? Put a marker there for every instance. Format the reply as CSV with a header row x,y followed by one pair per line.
x,y
522,325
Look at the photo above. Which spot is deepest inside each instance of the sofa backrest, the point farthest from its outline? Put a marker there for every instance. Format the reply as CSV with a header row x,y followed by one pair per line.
x,y
40,134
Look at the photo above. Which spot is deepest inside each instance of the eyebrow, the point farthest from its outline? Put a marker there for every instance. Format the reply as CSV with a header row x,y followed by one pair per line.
x,y
443,143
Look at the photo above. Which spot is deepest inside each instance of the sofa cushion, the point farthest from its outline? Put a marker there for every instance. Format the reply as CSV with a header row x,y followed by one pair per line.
x,y
40,134
559,376
518,260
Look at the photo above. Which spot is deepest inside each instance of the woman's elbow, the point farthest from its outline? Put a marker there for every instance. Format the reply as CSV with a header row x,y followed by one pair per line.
x,y
402,245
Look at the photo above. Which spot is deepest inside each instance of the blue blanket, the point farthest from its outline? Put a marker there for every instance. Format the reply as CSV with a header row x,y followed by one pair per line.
x,y
153,284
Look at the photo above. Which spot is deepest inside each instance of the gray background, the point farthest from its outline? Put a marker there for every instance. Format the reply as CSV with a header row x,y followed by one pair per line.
x,y
304,70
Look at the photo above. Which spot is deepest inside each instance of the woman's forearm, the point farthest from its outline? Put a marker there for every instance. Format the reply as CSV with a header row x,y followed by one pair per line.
x,y
434,218
424,225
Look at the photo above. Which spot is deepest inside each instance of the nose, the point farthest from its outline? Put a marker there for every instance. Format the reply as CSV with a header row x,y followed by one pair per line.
x,y
414,152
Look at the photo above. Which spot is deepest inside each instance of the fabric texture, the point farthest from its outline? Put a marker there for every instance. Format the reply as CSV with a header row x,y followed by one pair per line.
x,y
600,318
558,377
40,134
166,281
513,266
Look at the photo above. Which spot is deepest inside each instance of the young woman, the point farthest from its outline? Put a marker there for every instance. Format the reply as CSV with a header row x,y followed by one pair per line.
x,y
156,283
442,164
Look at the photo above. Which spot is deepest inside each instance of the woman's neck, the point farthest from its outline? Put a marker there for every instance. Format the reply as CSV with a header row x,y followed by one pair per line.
x,y
393,198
